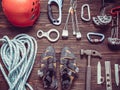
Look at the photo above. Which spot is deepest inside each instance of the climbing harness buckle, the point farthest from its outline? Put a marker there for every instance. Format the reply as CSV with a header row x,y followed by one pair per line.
x,y
82,12
41,34
95,40
50,15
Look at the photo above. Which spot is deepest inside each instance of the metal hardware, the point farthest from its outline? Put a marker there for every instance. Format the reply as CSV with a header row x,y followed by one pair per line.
x,y
102,19
41,34
72,12
95,40
108,75
59,4
100,79
117,69
82,12
114,40
89,53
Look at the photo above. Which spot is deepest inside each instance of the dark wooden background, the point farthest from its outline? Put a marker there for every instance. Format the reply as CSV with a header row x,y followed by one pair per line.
x,y
43,23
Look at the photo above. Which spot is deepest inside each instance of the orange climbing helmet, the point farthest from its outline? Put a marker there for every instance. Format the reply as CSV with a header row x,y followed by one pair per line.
x,y
21,13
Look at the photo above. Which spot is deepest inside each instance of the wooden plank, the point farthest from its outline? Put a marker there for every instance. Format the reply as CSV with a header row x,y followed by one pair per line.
x,y
43,23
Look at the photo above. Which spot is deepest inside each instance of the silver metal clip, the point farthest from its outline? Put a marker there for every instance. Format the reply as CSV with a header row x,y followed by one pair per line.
x,y
82,12
95,40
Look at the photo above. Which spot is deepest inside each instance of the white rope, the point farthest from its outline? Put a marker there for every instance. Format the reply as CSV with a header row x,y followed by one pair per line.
x,y
18,56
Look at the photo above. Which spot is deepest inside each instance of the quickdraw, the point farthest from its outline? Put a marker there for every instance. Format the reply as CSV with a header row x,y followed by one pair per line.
x,y
114,41
59,4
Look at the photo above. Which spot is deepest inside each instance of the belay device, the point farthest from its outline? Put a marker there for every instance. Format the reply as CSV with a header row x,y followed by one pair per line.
x,y
21,13
59,4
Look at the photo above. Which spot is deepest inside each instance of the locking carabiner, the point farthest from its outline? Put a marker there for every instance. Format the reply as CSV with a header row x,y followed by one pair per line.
x,y
59,4
95,40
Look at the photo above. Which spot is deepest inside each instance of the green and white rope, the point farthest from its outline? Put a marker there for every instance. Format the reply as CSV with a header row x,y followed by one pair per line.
x,y
18,56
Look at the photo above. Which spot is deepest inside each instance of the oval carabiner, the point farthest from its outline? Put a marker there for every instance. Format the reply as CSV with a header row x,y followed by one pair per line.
x,y
82,12
95,40
59,4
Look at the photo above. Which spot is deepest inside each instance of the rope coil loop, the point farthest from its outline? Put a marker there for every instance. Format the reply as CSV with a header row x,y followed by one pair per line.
x,y
18,56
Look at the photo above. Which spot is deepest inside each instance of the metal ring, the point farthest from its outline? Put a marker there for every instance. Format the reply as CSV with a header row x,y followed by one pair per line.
x,y
53,31
40,34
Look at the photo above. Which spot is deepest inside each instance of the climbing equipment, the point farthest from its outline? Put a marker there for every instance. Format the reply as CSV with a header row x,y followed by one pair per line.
x,y
18,56
117,69
89,54
114,40
25,15
82,12
41,34
68,68
108,75
73,13
48,69
95,40
100,78
102,19
59,4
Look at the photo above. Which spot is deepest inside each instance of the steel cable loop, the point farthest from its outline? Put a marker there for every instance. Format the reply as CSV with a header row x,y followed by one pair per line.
x,y
18,56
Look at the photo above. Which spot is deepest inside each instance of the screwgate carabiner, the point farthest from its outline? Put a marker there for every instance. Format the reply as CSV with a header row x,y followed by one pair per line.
x,y
82,12
59,4
95,40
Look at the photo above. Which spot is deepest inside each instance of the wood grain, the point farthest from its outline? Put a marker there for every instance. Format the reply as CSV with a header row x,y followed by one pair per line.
x,y
43,23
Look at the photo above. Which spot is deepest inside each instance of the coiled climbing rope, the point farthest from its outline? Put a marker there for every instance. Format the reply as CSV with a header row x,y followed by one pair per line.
x,y
18,56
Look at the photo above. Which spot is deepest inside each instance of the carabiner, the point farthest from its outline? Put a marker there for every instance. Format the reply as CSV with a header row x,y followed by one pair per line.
x,y
82,12
95,40
59,4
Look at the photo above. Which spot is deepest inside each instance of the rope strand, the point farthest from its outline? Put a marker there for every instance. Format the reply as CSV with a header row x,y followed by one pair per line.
x,y
18,56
